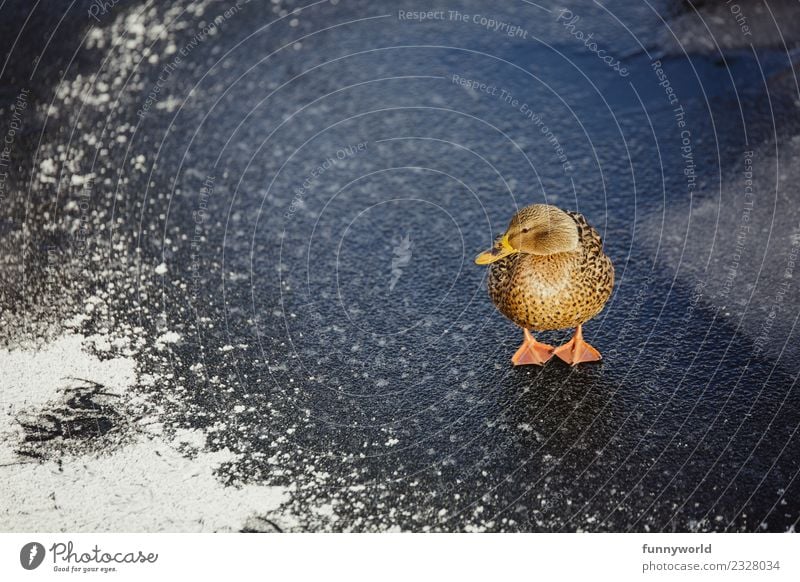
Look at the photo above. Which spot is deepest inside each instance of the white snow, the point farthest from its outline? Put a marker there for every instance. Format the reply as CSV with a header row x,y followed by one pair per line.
x,y
31,378
47,167
170,337
78,180
147,485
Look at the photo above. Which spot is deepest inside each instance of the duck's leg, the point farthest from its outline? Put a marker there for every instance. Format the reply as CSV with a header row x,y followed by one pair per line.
x,y
532,352
576,350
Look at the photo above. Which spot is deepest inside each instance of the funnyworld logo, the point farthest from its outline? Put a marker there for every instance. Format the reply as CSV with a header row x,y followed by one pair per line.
x,y
31,555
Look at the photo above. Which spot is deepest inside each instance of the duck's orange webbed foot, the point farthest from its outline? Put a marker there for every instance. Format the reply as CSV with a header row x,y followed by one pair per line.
x,y
576,350
532,352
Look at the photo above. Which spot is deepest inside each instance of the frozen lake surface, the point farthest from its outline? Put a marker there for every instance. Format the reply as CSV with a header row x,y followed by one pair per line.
x,y
236,281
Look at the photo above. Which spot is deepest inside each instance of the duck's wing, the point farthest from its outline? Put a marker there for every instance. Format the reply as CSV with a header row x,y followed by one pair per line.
x,y
595,261
588,236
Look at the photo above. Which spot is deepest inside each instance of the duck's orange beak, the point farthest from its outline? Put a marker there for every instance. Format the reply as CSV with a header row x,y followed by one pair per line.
x,y
497,252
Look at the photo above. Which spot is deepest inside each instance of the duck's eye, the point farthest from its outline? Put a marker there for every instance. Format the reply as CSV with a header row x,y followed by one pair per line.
x,y
524,230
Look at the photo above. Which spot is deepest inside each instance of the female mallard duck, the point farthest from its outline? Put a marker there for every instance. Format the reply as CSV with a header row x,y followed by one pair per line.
x,y
549,272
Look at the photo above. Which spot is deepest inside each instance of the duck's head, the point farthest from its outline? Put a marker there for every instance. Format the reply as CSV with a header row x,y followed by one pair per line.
x,y
540,229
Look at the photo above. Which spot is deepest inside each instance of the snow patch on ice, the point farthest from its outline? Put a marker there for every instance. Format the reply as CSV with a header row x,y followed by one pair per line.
x,y
145,487
31,378
152,483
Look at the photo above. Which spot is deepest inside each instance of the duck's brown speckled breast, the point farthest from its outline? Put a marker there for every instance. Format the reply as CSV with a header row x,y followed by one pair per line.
x,y
556,291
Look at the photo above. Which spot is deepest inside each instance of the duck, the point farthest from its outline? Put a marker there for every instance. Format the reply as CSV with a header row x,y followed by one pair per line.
x,y
548,271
